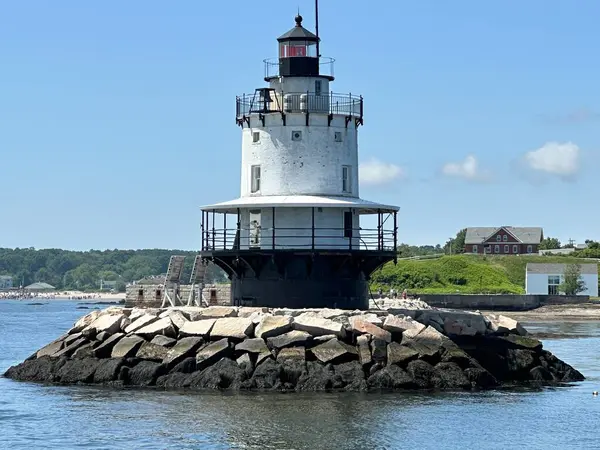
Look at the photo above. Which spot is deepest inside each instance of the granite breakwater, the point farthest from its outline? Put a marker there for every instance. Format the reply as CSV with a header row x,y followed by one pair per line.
x,y
242,348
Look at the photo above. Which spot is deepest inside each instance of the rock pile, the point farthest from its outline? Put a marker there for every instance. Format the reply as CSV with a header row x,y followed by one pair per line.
x,y
397,303
285,349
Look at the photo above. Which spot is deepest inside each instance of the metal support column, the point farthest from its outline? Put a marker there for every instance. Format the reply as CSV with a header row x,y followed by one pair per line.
x,y
395,231
351,229
213,229
395,237
238,232
378,229
313,228
273,219
202,232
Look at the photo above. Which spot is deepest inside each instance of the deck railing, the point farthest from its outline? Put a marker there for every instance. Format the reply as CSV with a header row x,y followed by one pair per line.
x,y
299,102
318,238
272,66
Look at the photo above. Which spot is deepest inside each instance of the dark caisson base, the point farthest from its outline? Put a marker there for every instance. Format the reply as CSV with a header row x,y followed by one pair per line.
x,y
291,279
334,293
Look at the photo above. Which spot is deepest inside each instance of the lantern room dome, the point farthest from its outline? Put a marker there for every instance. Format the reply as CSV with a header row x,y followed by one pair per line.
x,y
298,33
298,55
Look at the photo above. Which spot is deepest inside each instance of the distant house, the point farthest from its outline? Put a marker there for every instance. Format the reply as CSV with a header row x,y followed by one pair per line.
x,y
544,279
6,282
108,285
40,287
503,240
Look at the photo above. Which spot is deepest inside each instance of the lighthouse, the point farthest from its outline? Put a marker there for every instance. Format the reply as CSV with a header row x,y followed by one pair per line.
x,y
295,236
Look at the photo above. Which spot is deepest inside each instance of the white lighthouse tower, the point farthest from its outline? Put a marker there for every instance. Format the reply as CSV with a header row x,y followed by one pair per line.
x,y
294,237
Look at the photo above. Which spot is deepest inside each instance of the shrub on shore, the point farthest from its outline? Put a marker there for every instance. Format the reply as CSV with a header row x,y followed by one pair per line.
x,y
465,274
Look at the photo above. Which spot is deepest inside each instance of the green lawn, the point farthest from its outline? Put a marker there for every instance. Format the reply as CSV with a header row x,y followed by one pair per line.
x,y
467,274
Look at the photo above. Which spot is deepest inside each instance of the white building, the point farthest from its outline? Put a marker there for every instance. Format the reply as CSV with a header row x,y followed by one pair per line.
x,y
293,237
545,279
6,282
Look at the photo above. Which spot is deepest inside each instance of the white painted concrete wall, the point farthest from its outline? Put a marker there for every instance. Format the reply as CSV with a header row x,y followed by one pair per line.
x,y
311,166
330,236
537,283
299,84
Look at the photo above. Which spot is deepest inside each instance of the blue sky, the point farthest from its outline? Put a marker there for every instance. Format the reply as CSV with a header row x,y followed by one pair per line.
x,y
117,118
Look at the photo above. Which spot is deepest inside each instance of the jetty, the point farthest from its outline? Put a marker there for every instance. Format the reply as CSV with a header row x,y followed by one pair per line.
x,y
407,346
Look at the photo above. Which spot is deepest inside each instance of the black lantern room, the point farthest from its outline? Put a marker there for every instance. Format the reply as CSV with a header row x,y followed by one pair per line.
x,y
298,52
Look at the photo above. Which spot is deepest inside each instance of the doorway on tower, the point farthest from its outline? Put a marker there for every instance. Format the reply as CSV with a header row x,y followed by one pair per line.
x,y
213,297
255,229
347,224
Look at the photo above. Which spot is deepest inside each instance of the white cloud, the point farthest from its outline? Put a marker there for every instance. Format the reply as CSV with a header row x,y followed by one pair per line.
x,y
377,172
554,158
467,169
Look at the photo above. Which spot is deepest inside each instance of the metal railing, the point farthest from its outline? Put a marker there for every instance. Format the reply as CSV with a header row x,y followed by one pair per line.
x,y
325,67
317,238
299,102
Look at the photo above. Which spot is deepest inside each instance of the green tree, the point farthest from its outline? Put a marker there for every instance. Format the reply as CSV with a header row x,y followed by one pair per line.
x,y
549,243
459,241
594,245
456,244
83,270
573,282
406,250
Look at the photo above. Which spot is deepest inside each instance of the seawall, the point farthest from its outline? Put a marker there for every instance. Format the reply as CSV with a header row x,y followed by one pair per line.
x,y
283,349
500,302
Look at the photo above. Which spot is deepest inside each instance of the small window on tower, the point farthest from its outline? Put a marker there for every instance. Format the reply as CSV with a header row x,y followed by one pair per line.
x,y
296,135
337,136
346,182
255,176
256,136
317,87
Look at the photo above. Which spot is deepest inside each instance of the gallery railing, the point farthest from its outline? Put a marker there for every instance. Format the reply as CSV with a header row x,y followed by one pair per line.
x,y
244,239
299,102
272,66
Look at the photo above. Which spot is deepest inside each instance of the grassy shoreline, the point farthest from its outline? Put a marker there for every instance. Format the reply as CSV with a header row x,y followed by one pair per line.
x,y
462,274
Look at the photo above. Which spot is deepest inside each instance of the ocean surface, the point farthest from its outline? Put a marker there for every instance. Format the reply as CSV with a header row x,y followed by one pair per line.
x,y
34,416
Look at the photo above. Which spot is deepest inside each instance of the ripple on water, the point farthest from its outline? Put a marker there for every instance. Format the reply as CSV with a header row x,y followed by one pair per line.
x,y
51,417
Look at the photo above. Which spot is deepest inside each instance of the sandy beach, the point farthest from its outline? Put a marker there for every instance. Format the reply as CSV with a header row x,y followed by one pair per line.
x,y
69,295
571,313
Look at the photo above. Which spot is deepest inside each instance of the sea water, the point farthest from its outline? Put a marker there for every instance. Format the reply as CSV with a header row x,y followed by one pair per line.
x,y
35,416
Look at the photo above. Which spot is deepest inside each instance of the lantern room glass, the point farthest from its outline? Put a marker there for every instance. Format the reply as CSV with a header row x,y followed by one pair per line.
x,y
294,49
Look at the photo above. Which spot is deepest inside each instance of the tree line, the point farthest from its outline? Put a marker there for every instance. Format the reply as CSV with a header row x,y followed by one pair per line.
x,y
70,270
80,270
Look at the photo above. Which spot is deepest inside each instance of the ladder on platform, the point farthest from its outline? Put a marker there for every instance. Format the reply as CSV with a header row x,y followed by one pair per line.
x,y
173,282
197,282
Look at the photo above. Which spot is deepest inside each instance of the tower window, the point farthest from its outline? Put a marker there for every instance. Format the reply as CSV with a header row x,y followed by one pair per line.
x,y
256,136
337,136
296,135
346,182
255,176
318,87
